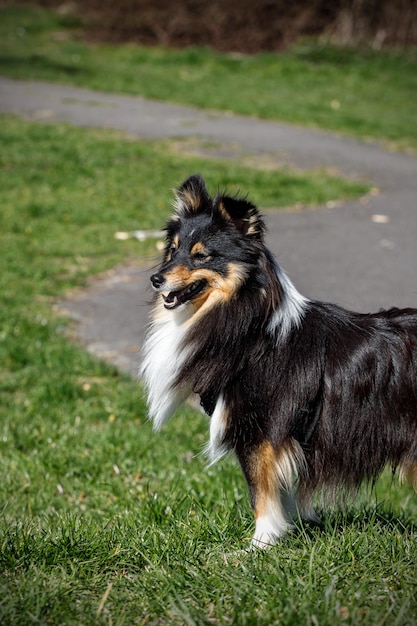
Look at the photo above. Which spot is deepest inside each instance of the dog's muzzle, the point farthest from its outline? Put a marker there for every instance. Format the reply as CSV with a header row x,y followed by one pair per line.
x,y
175,298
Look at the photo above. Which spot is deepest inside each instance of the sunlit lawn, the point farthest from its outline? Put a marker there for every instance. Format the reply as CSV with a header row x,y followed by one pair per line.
x,y
104,522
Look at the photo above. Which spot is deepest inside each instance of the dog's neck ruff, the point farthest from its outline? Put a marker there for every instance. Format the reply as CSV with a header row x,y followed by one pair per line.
x,y
162,360
166,352
290,312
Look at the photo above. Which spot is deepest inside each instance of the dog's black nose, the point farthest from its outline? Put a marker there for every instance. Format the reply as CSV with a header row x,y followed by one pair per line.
x,y
157,280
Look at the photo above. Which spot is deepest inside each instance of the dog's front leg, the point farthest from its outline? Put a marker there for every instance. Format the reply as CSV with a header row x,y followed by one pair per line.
x,y
269,474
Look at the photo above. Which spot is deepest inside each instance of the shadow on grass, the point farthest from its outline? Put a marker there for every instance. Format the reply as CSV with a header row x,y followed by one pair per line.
x,y
335,521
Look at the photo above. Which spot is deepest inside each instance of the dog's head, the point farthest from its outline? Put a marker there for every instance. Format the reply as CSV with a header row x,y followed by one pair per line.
x,y
212,246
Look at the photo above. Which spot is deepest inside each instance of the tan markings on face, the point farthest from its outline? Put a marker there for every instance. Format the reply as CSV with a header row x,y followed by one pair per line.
x,y
198,248
178,278
220,289
225,287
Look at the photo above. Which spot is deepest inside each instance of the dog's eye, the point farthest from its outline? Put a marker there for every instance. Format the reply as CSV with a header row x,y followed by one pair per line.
x,y
201,257
199,253
170,250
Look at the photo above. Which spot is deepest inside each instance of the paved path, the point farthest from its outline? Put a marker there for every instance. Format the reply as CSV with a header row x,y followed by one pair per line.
x,y
342,254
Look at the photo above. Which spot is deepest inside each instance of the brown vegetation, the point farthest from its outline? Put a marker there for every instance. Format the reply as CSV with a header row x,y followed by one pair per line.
x,y
246,25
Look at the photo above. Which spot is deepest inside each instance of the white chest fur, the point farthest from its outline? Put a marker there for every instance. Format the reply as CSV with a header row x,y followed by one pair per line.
x,y
161,363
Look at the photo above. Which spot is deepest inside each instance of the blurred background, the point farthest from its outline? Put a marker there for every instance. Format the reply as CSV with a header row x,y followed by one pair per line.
x,y
246,25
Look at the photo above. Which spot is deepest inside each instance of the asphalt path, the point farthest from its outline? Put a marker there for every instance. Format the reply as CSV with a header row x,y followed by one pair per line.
x,y
362,254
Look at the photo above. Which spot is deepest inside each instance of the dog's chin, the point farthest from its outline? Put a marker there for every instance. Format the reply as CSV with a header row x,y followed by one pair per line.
x,y
175,299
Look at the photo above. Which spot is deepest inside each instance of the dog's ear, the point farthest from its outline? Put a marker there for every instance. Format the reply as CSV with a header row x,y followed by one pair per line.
x,y
243,214
192,197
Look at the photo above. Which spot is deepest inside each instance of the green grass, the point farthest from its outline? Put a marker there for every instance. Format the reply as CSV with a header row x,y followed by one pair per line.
x,y
184,569
103,522
359,92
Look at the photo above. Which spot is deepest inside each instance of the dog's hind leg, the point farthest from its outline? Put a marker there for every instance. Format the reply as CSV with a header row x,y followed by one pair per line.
x,y
409,472
270,475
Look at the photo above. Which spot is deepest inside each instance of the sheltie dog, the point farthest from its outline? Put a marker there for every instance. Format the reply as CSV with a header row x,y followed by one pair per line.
x,y
309,396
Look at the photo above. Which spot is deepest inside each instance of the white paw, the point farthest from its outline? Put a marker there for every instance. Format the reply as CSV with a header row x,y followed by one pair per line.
x,y
267,533
264,541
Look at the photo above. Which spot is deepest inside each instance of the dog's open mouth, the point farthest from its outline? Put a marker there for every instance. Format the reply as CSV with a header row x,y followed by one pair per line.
x,y
175,298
